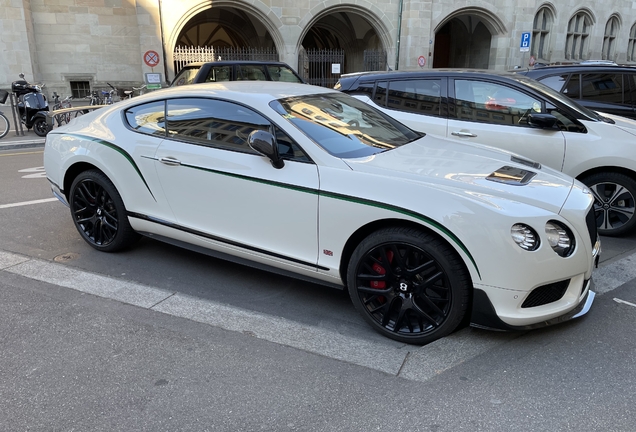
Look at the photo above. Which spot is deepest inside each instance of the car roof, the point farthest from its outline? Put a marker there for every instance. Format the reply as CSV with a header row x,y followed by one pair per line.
x,y
234,62
272,89
580,67
414,73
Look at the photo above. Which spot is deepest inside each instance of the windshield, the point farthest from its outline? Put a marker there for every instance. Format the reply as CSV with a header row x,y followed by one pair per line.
x,y
555,95
344,126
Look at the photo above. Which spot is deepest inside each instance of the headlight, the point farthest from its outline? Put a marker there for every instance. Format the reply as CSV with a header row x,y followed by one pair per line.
x,y
560,238
525,237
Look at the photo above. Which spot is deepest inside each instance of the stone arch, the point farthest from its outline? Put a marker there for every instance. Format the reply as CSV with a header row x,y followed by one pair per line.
x,y
269,20
376,19
466,38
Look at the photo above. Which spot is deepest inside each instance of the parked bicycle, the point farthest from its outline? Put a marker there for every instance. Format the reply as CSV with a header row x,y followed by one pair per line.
x,y
139,90
4,121
57,105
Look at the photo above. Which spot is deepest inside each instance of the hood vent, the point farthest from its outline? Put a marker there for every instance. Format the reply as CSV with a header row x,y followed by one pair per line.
x,y
526,162
511,176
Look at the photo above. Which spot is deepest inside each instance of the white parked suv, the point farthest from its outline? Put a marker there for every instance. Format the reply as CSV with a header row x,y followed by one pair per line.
x,y
522,116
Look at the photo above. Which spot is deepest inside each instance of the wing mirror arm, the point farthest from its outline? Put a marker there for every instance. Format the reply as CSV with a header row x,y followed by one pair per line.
x,y
264,143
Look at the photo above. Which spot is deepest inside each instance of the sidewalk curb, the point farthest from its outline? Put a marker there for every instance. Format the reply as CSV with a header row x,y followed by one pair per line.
x,y
13,145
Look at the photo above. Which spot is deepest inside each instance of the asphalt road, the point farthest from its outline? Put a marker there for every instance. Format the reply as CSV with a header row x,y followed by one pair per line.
x,y
158,338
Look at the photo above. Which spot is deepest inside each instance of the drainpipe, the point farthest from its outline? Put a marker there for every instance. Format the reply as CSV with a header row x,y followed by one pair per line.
x,y
163,45
397,54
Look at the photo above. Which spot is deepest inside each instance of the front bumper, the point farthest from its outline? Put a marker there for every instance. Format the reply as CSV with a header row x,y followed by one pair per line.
x,y
485,316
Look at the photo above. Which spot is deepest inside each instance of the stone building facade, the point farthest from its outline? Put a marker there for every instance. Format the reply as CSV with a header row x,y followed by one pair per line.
x,y
77,45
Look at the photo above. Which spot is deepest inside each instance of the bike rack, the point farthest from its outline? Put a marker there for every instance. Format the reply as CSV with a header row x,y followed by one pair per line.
x,y
19,130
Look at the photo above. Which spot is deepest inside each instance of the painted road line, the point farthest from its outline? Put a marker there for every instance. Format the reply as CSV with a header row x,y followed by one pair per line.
x,y
617,300
611,276
24,203
20,153
409,362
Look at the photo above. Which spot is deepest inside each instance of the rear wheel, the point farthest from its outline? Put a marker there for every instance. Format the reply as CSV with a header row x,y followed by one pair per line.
x,y
4,125
614,202
409,285
99,213
40,127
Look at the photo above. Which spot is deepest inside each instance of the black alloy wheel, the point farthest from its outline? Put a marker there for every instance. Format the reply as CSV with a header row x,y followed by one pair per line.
x,y
40,127
409,285
99,213
614,202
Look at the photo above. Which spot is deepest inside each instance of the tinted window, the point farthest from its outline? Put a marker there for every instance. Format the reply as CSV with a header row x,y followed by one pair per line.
x,y
342,125
492,103
603,87
380,93
555,82
214,123
630,89
186,76
573,87
418,96
281,73
251,73
148,118
219,74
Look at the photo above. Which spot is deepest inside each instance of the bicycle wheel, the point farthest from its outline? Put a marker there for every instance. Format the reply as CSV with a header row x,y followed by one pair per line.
x,y
4,125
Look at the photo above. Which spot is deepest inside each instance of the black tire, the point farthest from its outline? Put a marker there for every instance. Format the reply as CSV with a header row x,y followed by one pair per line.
x,y
4,125
99,214
40,127
409,285
614,204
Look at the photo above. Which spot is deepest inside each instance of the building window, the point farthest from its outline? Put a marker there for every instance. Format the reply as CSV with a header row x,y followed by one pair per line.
x,y
576,44
80,89
609,40
540,32
631,48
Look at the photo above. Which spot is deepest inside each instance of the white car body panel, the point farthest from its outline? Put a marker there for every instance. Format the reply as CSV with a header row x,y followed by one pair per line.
x,y
300,217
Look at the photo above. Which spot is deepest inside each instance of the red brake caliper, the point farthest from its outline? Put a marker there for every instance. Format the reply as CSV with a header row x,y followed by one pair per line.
x,y
381,271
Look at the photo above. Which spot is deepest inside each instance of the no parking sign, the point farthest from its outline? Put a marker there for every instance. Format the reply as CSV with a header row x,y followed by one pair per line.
x,y
421,60
151,58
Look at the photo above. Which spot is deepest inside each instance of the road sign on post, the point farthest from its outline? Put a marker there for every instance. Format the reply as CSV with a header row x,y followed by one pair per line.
x,y
151,58
525,42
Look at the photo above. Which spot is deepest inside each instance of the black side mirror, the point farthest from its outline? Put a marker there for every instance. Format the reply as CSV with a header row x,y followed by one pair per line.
x,y
542,121
265,143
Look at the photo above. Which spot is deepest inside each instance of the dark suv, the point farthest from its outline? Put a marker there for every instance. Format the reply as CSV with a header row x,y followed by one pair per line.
x,y
194,73
601,87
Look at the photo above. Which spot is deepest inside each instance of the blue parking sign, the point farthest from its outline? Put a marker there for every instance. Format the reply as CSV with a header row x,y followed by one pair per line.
x,y
525,41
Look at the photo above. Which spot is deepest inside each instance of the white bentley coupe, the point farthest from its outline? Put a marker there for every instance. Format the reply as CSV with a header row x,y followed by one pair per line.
x,y
424,233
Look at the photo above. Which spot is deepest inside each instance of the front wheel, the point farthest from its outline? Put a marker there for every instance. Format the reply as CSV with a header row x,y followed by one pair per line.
x,y
614,203
408,285
4,125
40,127
99,213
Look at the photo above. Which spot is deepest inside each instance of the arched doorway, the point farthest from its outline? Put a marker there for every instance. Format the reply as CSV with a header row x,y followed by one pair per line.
x,y
224,33
464,40
344,38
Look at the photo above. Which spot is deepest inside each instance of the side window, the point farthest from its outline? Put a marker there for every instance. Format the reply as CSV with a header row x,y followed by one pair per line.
x,y
219,73
555,82
288,149
603,87
148,118
380,93
213,123
281,73
251,73
185,77
492,103
417,96
573,87
630,89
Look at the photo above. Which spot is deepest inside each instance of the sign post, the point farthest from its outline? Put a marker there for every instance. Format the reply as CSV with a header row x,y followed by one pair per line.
x,y
524,47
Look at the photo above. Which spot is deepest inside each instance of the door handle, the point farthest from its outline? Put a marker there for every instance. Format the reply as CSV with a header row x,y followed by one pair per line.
x,y
464,134
170,161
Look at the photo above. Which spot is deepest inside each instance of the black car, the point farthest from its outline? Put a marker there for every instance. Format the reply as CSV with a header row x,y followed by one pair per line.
x,y
601,87
217,71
